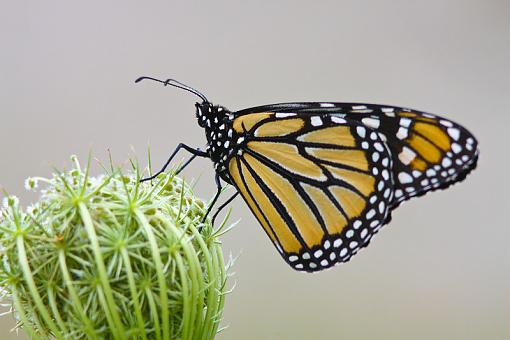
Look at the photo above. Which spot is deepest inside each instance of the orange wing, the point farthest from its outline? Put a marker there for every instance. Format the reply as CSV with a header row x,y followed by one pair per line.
x,y
320,186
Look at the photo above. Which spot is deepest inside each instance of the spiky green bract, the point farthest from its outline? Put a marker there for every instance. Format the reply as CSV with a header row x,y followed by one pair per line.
x,y
109,257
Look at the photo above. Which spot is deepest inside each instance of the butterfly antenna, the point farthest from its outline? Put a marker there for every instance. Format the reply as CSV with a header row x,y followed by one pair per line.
x,y
175,83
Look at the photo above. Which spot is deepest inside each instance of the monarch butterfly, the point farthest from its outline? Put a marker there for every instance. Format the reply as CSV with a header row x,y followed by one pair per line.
x,y
322,177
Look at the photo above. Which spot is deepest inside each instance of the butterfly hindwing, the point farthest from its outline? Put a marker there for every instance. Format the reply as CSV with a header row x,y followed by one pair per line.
x,y
320,186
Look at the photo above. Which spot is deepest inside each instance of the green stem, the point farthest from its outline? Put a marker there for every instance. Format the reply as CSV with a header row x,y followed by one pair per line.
x,y
76,303
214,290
134,295
221,289
118,329
27,274
54,310
163,289
154,312
104,304
211,297
21,313
186,305
195,276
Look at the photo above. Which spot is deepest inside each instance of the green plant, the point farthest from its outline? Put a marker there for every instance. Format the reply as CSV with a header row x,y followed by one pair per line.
x,y
109,257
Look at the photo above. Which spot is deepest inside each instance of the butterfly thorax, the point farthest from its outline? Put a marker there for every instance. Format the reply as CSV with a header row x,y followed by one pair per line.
x,y
216,120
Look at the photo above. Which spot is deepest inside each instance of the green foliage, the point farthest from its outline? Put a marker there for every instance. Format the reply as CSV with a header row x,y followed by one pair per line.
x,y
109,257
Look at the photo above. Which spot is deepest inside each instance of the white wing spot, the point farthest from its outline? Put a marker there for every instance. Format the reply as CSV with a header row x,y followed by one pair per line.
x,y
405,178
431,172
402,133
456,148
446,123
454,133
361,131
371,122
364,233
381,207
405,122
386,174
375,156
387,193
316,121
406,156
284,114
338,120
447,162
370,214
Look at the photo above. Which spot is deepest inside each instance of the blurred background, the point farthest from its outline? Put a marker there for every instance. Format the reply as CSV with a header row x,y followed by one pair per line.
x,y
440,270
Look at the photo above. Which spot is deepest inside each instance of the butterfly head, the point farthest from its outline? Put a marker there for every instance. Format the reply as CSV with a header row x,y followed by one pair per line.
x,y
205,112
209,115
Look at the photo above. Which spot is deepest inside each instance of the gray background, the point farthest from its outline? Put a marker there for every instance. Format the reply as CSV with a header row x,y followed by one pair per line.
x,y
439,271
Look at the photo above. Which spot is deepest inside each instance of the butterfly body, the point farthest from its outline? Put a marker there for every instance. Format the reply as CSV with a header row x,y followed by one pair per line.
x,y
217,123
322,178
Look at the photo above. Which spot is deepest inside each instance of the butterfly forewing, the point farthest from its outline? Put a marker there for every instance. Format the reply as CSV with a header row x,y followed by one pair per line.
x,y
320,185
428,152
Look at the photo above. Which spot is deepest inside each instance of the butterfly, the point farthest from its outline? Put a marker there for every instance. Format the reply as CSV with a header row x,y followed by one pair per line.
x,y
323,177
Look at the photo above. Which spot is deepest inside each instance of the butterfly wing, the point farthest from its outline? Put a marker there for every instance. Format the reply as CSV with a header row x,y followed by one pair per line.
x,y
320,186
428,152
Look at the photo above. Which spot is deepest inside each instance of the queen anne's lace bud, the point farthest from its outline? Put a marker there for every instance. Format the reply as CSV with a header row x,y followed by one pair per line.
x,y
110,257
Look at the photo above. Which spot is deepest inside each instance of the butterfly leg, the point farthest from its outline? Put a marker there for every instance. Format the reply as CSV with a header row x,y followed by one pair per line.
x,y
218,192
223,206
194,152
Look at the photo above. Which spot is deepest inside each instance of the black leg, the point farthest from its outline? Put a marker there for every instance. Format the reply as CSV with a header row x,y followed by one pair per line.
x,y
185,164
223,206
195,152
218,192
